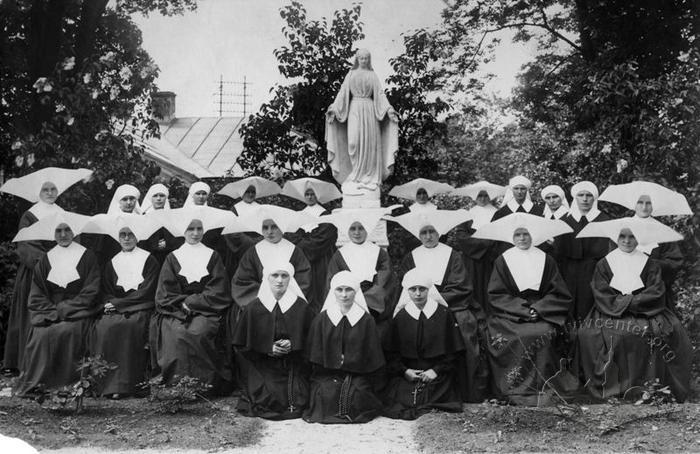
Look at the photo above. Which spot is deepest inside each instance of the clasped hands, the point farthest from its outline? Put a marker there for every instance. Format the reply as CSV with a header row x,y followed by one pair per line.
x,y
426,376
281,347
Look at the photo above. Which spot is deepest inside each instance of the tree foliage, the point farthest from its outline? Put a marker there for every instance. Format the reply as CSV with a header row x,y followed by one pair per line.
x,y
286,136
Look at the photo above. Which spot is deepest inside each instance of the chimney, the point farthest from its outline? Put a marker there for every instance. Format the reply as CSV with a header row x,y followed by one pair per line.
x,y
164,107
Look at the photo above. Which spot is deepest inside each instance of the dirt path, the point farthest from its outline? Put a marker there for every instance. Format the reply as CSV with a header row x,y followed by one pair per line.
x,y
382,435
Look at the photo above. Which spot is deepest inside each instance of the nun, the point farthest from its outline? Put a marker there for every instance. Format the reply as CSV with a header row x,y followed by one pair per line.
x,y
345,351
155,205
270,340
556,205
271,222
317,241
421,350
129,279
477,254
124,201
63,302
529,304
577,257
247,190
192,301
446,269
517,199
631,336
198,197
43,188
648,200
368,262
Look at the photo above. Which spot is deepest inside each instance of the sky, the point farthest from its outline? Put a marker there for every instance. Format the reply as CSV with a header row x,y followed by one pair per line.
x,y
236,38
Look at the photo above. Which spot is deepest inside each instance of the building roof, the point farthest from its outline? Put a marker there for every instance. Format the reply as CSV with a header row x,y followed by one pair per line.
x,y
200,146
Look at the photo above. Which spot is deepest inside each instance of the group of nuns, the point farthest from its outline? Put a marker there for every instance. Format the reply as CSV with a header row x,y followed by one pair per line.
x,y
260,297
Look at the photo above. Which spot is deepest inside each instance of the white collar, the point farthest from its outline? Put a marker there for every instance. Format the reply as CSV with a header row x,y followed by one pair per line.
x,y
354,314
627,269
314,210
590,216
361,259
269,253
526,267
481,215
513,205
561,211
427,206
129,268
429,309
287,300
193,259
433,261
42,209
64,263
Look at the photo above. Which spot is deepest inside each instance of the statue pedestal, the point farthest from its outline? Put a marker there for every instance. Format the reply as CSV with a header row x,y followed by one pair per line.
x,y
360,196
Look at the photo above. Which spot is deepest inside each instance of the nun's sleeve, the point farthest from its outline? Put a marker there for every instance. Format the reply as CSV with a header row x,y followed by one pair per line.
x,y
556,300
85,302
141,298
302,271
503,293
215,296
42,310
648,301
169,292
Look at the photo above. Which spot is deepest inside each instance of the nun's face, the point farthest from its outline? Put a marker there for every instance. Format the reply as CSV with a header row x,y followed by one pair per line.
x,y
48,193
158,200
249,194
418,294
429,236
626,241
584,200
519,193
310,197
127,239
271,232
522,239
644,207
63,235
344,295
200,197
127,204
422,196
553,201
279,281
483,199
194,232
357,233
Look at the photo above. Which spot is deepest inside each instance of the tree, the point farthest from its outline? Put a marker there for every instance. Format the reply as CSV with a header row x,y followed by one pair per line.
x,y
286,136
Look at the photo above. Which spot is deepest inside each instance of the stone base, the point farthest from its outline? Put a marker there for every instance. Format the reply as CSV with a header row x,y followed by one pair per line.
x,y
358,195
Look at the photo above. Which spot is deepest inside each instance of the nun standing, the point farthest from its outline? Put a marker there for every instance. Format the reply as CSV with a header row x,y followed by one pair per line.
x,y
129,280
41,187
192,300
529,305
517,199
270,339
317,241
422,349
62,304
556,205
155,205
577,257
345,351
631,336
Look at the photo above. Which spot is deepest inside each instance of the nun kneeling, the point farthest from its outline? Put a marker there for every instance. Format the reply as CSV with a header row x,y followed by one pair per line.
x,y
345,351
422,348
270,339
62,304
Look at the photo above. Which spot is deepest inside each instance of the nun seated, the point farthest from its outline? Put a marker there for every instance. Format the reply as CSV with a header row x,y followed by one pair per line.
x,y
344,351
62,305
129,280
446,269
421,349
367,261
192,300
271,222
631,336
270,339
529,304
